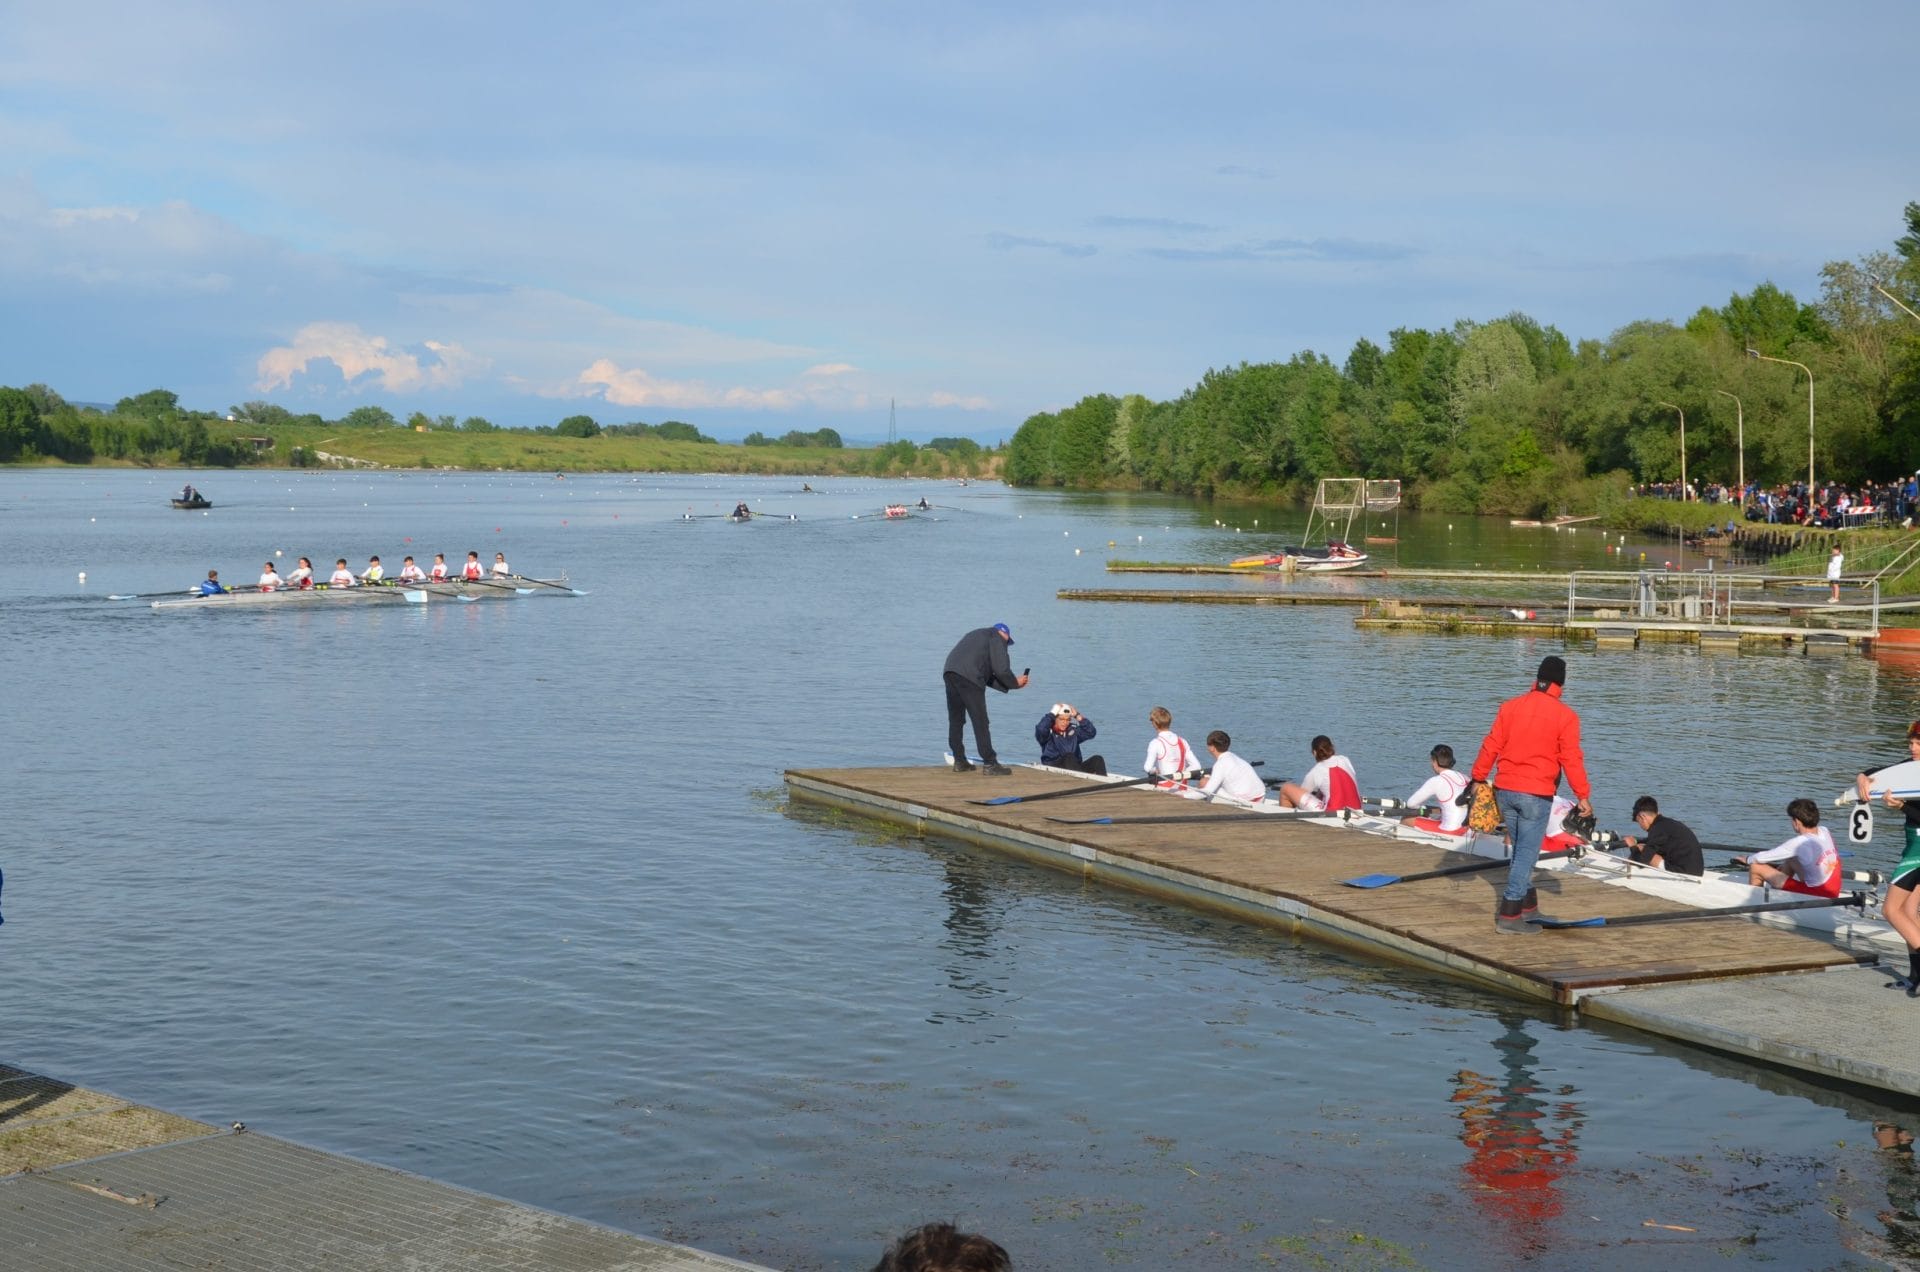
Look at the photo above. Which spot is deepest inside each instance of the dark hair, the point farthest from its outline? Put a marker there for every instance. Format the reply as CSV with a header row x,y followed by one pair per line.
x,y
1322,747
1219,740
1646,804
940,1247
1442,755
1804,811
1913,730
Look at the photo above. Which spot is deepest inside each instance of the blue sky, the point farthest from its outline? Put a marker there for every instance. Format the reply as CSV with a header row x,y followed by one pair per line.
x,y
784,215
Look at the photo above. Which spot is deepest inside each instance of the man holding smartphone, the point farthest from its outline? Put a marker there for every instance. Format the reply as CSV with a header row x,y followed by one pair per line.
x,y
978,661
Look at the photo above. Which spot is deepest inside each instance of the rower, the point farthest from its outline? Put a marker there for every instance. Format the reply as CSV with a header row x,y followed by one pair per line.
x,y
1168,755
374,572
409,572
1330,785
211,585
1231,776
1443,789
270,580
439,567
1809,862
500,567
741,510
924,505
471,570
342,576
301,579
1669,844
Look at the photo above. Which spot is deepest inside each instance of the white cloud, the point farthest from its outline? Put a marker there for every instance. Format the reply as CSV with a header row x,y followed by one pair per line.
x,y
359,354
831,369
965,402
823,386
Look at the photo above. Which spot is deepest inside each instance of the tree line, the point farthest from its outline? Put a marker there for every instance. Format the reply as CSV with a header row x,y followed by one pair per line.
x,y
1509,416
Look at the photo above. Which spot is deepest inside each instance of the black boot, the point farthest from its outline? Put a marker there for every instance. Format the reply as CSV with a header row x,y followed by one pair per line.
x,y
1507,919
1530,904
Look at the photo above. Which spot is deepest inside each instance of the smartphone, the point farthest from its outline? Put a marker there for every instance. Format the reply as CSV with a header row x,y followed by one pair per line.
x,y
1027,672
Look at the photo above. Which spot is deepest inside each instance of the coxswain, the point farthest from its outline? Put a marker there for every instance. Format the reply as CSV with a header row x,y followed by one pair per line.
x,y
410,573
439,567
805,489
471,570
1809,862
1060,733
1442,789
924,505
270,580
1231,776
501,569
342,576
211,585
302,578
1168,755
1668,845
1330,785
373,573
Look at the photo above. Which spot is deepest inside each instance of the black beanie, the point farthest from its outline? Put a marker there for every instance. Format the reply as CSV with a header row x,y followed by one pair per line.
x,y
1553,671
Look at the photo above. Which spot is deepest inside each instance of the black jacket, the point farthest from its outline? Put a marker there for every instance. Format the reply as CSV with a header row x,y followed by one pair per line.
x,y
1674,844
981,657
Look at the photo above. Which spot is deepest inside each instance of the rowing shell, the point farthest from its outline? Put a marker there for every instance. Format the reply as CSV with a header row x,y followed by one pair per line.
x,y
309,596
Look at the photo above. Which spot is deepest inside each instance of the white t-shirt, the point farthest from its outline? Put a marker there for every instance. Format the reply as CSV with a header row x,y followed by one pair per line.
x,y
1833,566
342,577
1443,788
439,569
271,580
1316,780
300,577
1233,776
411,573
1168,755
1557,816
500,568
1815,852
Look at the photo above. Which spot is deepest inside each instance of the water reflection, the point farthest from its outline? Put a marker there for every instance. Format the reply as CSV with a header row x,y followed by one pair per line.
x,y
1901,1218
972,944
1520,1140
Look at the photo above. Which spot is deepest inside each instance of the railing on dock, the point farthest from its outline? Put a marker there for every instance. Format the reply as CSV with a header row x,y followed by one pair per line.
x,y
1722,598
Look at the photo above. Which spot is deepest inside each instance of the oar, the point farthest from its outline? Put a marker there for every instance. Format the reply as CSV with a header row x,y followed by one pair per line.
x,y
1491,863
1093,788
564,587
191,591
1177,819
1857,900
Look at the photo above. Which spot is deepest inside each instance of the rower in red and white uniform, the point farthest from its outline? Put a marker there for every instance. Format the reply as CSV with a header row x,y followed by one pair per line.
x,y
301,579
1557,837
410,573
1330,785
472,569
342,576
1231,776
439,567
1809,862
1168,755
270,580
500,568
1442,789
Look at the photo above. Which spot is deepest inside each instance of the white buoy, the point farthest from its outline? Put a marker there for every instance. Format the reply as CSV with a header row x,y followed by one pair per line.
x,y
93,518
83,576
1076,552
1065,533
276,552
1139,538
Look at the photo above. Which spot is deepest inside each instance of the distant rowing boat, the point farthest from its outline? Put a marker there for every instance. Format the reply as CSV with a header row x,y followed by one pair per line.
x,y
195,502
377,593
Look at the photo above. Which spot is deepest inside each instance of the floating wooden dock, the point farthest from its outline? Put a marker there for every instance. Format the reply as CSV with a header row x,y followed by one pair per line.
x,y
90,1181
1286,874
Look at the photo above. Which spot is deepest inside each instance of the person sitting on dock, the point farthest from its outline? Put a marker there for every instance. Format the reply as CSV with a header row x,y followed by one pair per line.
x,y
1442,789
211,585
471,570
1060,733
501,569
1330,785
270,580
410,573
342,576
1809,862
1168,755
374,572
1231,776
439,574
301,580
1669,844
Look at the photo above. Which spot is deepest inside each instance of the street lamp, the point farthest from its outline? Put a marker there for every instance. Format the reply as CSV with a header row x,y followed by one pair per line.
x,y
1755,353
1685,494
1740,426
1896,300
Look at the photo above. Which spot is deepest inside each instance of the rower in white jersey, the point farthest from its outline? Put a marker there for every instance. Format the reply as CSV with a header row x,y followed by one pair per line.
x,y
1442,790
302,578
373,573
410,573
439,567
1330,785
500,567
1168,755
1231,776
1807,863
270,580
342,576
471,570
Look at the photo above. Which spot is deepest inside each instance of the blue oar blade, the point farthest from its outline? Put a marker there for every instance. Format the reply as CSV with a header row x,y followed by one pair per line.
x,y
1596,921
1082,821
1371,881
1004,799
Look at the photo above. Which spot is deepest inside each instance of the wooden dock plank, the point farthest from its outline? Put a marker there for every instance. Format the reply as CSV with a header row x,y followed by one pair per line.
x,y
1294,869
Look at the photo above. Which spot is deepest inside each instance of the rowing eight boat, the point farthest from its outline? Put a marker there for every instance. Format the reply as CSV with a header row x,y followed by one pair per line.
x,y
411,594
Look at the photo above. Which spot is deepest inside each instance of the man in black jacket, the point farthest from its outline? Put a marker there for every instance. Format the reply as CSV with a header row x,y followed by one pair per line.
x,y
1669,844
979,660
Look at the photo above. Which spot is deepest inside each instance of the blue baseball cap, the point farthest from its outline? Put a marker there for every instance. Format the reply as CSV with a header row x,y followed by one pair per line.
x,y
1003,630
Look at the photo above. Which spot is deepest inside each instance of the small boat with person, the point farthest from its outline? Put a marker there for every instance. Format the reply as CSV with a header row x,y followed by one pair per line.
x,y
191,498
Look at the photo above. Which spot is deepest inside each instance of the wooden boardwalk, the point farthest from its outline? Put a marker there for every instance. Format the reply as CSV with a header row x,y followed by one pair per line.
x,y
1287,874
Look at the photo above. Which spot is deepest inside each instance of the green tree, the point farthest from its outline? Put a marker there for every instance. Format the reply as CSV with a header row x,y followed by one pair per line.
x,y
578,426
19,424
261,414
756,438
478,424
152,403
369,417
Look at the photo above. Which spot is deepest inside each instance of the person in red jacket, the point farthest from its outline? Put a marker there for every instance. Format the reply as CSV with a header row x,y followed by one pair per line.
x,y
1535,739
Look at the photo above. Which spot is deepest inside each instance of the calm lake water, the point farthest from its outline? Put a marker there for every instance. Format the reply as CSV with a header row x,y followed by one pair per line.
x,y
508,894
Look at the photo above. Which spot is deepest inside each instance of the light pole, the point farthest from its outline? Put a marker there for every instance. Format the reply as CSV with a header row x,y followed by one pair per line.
x,y
1740,434
1755,353
1684,493
1896,300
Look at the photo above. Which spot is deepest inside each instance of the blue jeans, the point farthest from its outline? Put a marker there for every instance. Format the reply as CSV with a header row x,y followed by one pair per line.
x,y
1526,821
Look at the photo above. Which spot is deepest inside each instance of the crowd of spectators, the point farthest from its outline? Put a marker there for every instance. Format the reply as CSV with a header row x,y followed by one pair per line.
x,y
1830,505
